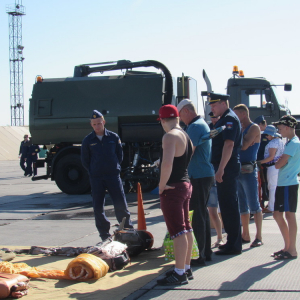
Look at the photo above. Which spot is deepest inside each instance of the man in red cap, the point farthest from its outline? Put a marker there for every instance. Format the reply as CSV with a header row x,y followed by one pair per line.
x,y
175,192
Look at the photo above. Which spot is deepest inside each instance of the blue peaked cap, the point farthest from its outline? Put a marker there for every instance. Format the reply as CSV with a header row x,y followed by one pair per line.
x,y
96,114
259,119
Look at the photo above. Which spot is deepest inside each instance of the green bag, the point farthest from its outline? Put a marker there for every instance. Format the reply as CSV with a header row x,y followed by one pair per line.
x,y
168,245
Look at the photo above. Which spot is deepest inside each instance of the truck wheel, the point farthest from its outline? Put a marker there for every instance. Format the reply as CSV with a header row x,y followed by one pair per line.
x,y
70,175
147,185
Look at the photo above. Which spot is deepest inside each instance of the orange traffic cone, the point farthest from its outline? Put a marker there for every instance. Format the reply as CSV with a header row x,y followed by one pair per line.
x,y
141,213
142,227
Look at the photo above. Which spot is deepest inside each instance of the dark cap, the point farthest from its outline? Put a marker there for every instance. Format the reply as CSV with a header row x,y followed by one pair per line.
x,y
213,98
168,111
96,114
286,120
259,119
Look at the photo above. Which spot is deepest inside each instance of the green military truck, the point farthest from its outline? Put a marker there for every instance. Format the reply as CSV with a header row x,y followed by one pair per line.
x,y
258,94
60,109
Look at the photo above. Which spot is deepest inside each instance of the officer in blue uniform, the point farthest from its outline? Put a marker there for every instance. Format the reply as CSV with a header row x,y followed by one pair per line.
x,y
23,153
101,156
32,157
225,159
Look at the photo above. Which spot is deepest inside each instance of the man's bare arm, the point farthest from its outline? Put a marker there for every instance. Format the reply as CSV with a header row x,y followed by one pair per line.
x,y
226,154
168,145
252,136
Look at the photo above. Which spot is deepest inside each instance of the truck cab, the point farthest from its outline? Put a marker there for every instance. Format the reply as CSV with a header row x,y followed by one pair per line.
x,y
258,94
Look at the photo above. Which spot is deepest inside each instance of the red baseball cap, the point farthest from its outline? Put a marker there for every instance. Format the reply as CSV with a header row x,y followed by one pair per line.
x,y
168,111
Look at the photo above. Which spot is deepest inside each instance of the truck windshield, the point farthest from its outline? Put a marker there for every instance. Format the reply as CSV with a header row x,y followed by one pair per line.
x,y
279,94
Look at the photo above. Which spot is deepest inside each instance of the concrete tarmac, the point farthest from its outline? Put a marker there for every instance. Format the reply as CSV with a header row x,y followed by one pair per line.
x,y
39,214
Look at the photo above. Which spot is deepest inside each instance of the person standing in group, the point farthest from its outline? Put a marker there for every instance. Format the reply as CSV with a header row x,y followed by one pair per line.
x,y
23,152
248,180
102,155
213,203
273,152
262,124
175,192
201,174
32,157
225,159
263,182
286,195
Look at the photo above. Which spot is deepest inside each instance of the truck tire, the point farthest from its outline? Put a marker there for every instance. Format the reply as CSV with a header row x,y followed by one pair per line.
x,y
70,175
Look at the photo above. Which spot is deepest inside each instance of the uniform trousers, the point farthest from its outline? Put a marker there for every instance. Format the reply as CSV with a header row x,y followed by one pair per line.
x,y
28,166
201,221
22,162
31,165
114,186
229,205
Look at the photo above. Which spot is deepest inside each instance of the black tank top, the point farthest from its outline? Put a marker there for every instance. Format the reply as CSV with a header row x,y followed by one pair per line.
x,y
179,169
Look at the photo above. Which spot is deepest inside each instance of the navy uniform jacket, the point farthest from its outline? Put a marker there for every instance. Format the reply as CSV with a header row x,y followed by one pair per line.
x,y
102,158
23,148
33,149
261,150
233,132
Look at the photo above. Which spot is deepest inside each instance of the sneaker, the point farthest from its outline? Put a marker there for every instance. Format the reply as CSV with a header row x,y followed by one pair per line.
x,y
189,274
173,279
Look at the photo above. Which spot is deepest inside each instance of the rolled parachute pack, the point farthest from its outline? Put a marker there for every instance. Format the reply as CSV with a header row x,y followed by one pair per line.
x,y
86,267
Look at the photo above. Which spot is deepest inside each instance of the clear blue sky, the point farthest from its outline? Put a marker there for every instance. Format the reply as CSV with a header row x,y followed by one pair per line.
x,y
260,36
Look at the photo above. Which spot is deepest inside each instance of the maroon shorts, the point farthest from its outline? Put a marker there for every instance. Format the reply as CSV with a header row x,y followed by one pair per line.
x,y
174,204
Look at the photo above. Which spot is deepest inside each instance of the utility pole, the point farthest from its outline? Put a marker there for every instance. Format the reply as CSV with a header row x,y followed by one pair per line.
x,y
15,14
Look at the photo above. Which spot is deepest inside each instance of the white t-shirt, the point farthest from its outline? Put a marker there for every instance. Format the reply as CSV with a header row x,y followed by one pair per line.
x,y
277,144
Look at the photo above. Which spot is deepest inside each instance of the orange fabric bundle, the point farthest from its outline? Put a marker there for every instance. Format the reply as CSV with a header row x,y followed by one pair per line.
x,y
86,267
32,272
83,267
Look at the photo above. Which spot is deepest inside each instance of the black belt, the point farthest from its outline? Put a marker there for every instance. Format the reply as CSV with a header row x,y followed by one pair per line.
x,y
249,163
270,165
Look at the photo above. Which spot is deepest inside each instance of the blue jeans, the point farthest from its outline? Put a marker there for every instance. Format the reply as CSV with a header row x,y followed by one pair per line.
x,y
248,193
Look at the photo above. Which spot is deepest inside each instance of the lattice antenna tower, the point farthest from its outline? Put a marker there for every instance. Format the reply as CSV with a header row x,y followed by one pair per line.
x,y
15,14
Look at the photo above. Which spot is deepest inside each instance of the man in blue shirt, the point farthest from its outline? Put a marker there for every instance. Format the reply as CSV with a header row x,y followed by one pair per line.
x,y
101,155
225,159
201,174
248,181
